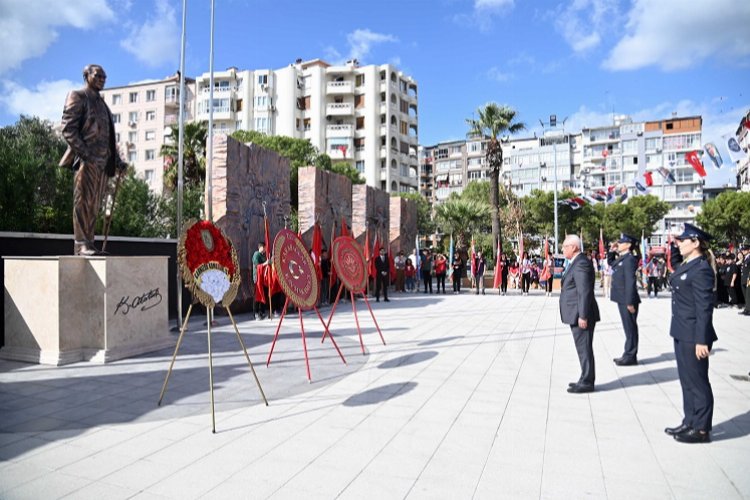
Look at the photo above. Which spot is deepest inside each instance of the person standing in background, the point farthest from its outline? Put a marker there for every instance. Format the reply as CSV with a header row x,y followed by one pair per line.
x,y
624,293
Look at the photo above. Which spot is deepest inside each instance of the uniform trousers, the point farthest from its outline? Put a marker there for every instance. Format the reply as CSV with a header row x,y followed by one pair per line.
x,y
630,325
697,396
584,341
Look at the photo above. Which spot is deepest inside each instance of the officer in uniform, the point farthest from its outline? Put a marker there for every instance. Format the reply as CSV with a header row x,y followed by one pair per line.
x,y
693,285
745,278
624,292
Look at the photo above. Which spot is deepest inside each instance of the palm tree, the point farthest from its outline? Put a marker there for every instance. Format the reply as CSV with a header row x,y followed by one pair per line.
x,y
461,217
194,154
493,121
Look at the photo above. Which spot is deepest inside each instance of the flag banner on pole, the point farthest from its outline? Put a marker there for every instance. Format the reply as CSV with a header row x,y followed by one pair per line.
x,y
581,238
644,250
640,185
669,253
520,245
450,256
694,160
317,249
375,255
546,247
498,265
472,257
667,174
601,243
332,275
417,256
733,147
713,154
344,229
574,203
649,178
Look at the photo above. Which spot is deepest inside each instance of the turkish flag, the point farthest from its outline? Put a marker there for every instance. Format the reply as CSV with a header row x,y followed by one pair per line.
x,y
317,248
695,161
649,177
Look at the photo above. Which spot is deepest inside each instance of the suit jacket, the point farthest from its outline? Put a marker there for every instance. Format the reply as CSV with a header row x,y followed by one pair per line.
x,y
577,292
693,302
746,270
624,288
88,129
382,264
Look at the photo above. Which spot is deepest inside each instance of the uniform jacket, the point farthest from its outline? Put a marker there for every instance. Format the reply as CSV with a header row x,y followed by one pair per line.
x,y
693,302
258,258
746,270
577,292
624,289
89,131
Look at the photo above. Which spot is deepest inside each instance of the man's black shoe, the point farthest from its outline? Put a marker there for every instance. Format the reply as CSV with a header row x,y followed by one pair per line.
x,y
693,436
386,300
617,360
626,362
677,430
377,300
580,389
572,384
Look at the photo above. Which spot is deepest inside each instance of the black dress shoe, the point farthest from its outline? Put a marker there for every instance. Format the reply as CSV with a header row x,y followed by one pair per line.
x,y
572,384
386,300
677,430
626,362
617,360
693,436
580,389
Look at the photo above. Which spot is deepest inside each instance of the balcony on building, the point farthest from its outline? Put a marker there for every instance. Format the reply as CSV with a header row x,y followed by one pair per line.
x,y
339,130
340,87
339,108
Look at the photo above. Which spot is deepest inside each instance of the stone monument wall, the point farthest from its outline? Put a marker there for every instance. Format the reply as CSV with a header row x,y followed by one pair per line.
x,y
370,210
244,176
403,225
325,197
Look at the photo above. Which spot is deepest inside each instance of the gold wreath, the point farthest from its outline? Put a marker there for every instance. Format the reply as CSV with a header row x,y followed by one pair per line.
x,y
296,299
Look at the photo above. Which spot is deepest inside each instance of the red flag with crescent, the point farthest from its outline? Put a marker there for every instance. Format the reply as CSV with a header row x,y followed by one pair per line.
x,y
695,161
317,249
332,274
498,265
375,253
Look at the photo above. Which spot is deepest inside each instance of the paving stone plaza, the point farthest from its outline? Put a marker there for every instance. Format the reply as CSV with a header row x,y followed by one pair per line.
x,y
467,400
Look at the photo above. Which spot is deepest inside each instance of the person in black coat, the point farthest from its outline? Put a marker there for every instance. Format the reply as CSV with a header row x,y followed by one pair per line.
x,y
745,278
693,286
383,270
624,291
578,309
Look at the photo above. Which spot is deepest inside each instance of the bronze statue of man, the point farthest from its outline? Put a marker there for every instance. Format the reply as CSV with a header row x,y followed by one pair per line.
x,y
88,129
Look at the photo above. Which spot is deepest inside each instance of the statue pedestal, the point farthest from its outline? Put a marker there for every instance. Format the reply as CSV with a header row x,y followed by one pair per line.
x,y
64,309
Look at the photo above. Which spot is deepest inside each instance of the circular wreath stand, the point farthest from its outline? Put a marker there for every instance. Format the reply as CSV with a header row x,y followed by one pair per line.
x,y
210,271
299,281
349,262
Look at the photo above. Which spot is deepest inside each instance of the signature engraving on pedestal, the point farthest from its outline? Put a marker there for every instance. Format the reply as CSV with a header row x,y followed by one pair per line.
x,y
145,301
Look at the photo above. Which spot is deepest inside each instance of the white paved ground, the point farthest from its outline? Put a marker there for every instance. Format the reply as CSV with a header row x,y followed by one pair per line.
x,y
466,400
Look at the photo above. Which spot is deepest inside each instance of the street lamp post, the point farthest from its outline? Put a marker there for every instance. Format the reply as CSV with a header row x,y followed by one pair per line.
x,y
553,124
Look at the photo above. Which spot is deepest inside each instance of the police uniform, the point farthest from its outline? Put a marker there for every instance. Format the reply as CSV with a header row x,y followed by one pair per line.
x,y
745,279
692,324
624,291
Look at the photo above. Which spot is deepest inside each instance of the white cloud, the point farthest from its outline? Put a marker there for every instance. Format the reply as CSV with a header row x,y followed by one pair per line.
x,y
360,43
156,42
46,100
483,13
27,29
584,22
497,75
672,34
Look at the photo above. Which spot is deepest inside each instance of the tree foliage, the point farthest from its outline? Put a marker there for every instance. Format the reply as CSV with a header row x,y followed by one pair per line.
x,y
35,194
493,121
727,217
462,218
194,155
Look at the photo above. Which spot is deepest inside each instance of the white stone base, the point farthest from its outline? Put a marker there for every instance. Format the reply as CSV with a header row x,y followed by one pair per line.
x,y
61,310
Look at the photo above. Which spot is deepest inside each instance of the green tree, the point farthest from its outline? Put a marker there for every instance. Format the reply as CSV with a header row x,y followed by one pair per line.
x,y
343,168
135,209
461,218
194,155
639,215
300,152
166,209
493,121
727,217
35,194
425,224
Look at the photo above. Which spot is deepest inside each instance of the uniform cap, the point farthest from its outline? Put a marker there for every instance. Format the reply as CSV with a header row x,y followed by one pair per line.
x,y
626,238
695,232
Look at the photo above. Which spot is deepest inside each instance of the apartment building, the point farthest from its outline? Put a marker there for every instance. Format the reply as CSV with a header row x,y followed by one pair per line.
x,y
592,159
616,154
366,115
143,114
743,138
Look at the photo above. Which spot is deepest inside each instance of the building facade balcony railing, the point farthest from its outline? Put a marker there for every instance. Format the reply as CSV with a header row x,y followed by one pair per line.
x,y
344,87
342,130
339,108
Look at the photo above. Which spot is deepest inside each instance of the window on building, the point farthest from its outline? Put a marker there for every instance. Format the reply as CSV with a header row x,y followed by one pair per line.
x,y
150,95
150,135
133,136
360,80
455,150
116,99
261,101
359,144
306,124
359,101
117,137
132,156
150,116
238,105
261,124
629,146
150,154
441,153
133,97
653,143
116,117
303,103
171,94
263,79
148,175
133,117
360,165
404,106
360,122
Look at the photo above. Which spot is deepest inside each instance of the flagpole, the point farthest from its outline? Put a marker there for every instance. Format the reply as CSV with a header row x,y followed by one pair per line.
x,y
181,152
209,166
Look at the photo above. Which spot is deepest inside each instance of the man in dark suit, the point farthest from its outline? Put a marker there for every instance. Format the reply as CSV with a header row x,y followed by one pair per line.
x,y
88,129
383,269
745,278
578,309
624,292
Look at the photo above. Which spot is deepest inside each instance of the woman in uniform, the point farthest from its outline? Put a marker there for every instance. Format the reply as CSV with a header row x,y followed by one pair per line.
x,y
693,285
624,292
